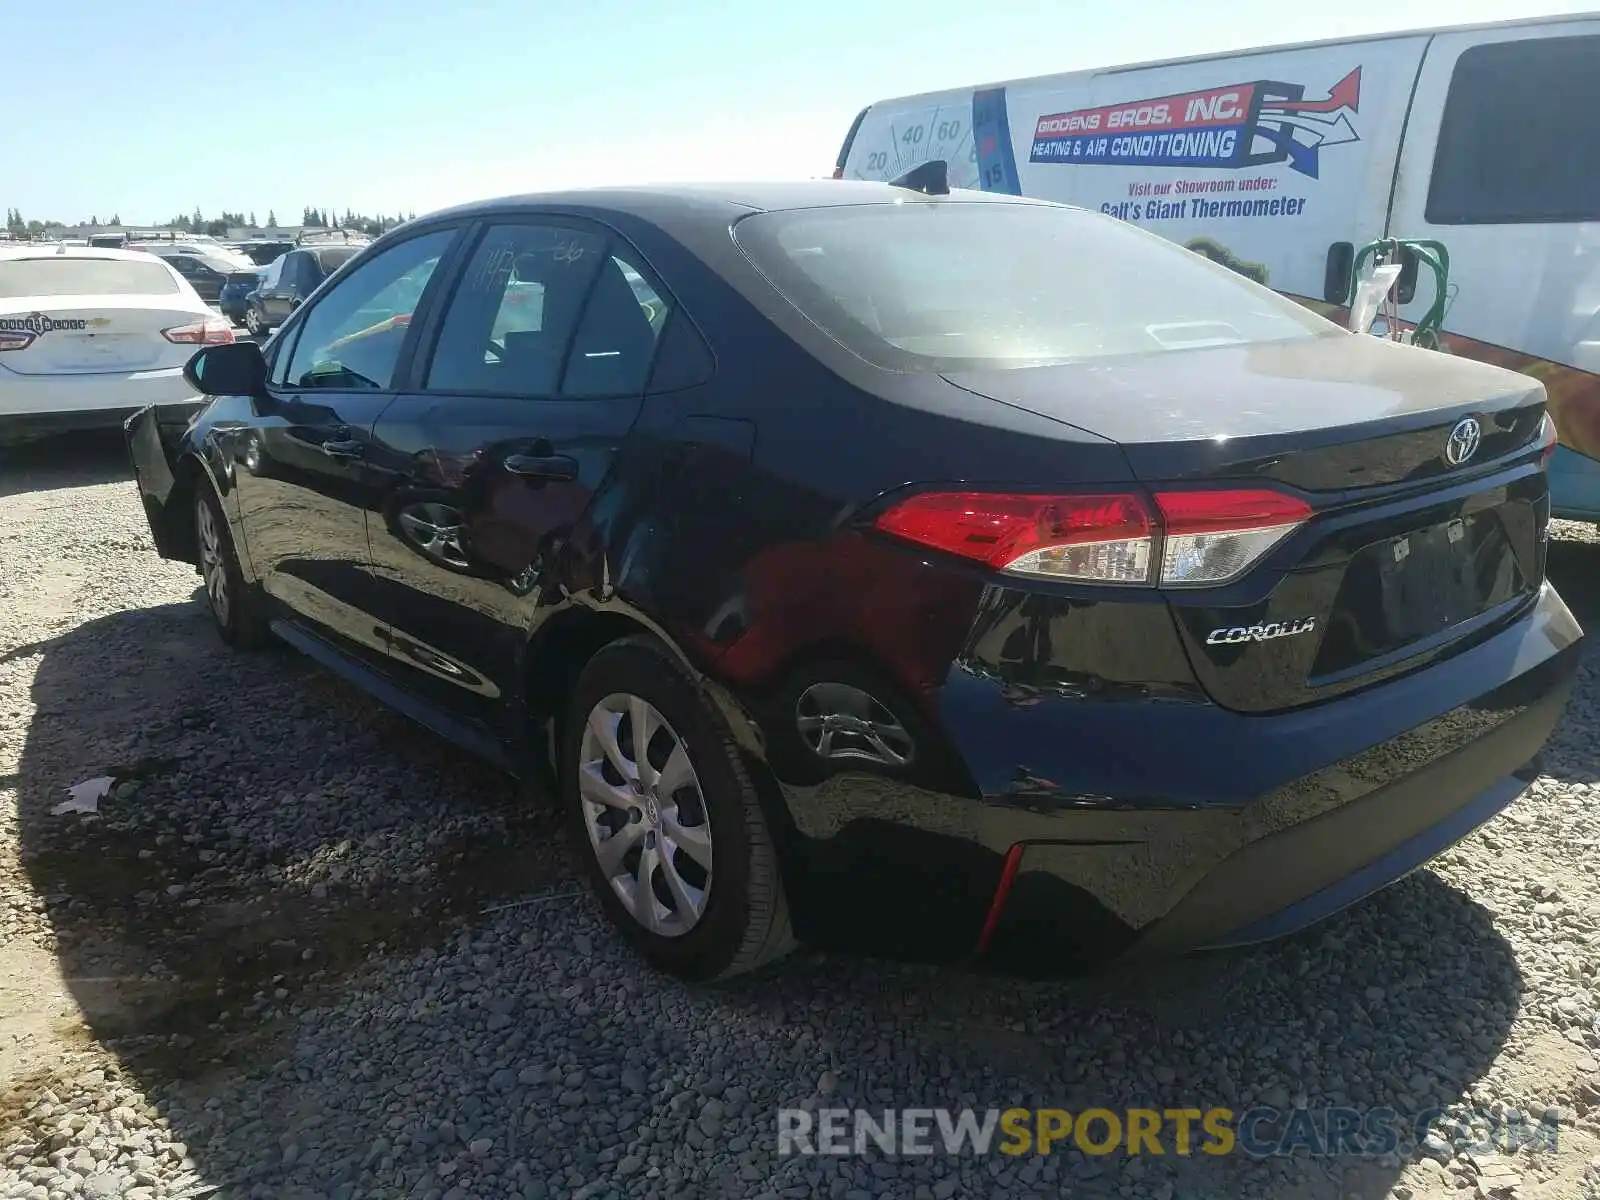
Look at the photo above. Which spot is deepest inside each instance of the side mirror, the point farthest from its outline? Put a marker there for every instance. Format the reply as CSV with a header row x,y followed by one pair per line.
x,y
1406,292
230,369
1336,272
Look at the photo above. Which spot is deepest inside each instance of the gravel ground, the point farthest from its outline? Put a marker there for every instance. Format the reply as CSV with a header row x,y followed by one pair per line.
x,y
306,950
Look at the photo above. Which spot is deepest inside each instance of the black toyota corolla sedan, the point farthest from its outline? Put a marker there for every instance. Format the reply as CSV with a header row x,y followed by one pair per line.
x,y
949,570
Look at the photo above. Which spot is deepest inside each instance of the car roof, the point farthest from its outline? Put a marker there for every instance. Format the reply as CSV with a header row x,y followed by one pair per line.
x,y
656,202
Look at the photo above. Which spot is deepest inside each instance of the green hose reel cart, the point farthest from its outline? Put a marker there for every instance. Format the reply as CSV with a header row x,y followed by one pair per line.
x,y
1413,254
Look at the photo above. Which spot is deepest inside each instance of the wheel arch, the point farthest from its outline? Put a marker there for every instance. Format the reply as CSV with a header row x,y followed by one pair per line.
x,y
556,656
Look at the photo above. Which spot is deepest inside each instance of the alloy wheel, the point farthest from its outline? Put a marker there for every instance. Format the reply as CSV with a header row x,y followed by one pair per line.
x,y
213,567
252,322
435,530
838,721
645,814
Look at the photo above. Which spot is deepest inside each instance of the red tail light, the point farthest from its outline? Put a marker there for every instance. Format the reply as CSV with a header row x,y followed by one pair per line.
x,y
1103,537
1214,536
1551,438
1192,539
212,331
15,339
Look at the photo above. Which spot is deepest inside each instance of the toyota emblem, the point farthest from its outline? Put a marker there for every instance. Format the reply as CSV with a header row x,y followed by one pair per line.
x,y
1463,441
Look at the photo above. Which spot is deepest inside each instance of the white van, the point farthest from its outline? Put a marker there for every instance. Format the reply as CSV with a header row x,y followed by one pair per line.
x,y
1282,161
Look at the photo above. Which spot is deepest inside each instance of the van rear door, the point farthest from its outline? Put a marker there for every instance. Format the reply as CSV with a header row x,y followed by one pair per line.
x,y
1498,165
895,136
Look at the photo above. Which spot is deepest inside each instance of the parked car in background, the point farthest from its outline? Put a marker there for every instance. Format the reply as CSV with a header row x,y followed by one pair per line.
x,y
87,335
207,268
236,289
262,253
856,570
288,281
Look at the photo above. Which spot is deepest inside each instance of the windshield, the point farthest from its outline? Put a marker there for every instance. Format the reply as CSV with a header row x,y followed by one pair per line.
x,y
66,276
956,286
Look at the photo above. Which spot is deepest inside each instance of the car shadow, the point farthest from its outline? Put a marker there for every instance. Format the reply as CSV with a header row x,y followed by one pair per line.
x,y
82,459
226,928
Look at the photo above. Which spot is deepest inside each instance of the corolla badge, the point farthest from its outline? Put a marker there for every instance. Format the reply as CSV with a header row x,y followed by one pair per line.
x,y
1463,441
1230,635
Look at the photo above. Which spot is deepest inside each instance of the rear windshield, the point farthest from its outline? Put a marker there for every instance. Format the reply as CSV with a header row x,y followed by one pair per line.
x,y
64,276
331,260
957,286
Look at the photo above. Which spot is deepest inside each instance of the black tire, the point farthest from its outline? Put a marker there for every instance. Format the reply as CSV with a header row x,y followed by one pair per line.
x,y
745,921
238,619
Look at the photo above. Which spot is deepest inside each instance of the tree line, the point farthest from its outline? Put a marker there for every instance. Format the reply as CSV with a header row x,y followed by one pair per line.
x,y
218,226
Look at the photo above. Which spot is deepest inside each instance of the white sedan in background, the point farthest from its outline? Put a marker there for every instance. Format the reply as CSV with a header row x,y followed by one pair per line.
x,y
89,335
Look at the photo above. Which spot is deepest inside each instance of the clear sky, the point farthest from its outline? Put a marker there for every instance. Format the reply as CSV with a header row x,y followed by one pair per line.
x,y
153,108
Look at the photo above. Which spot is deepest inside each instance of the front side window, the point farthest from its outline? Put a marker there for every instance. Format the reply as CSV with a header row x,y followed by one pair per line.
x,y
1516,142
351,338
948,285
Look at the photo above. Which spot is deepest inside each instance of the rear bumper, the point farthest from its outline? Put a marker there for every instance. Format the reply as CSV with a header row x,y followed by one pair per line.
x,y
79,401
150,435
1144,827
1321,841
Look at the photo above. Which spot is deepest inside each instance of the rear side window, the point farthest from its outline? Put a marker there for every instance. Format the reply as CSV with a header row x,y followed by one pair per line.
x,y
63,276
511,319
946,285
1516,143
616,340
545,311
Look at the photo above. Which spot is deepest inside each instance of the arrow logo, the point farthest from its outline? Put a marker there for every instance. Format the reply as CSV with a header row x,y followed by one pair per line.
x,y
1344,94
1280,120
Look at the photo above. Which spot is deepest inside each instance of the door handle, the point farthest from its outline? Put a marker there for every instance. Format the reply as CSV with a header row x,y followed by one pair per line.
x,y
342,449
542,466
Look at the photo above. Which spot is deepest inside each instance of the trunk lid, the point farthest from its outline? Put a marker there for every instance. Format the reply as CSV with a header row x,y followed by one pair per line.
x,y
1408,555
86,334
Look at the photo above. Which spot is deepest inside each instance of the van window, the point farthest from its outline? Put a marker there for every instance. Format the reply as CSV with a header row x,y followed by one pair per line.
x,y
1515,143
949,286
849,140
